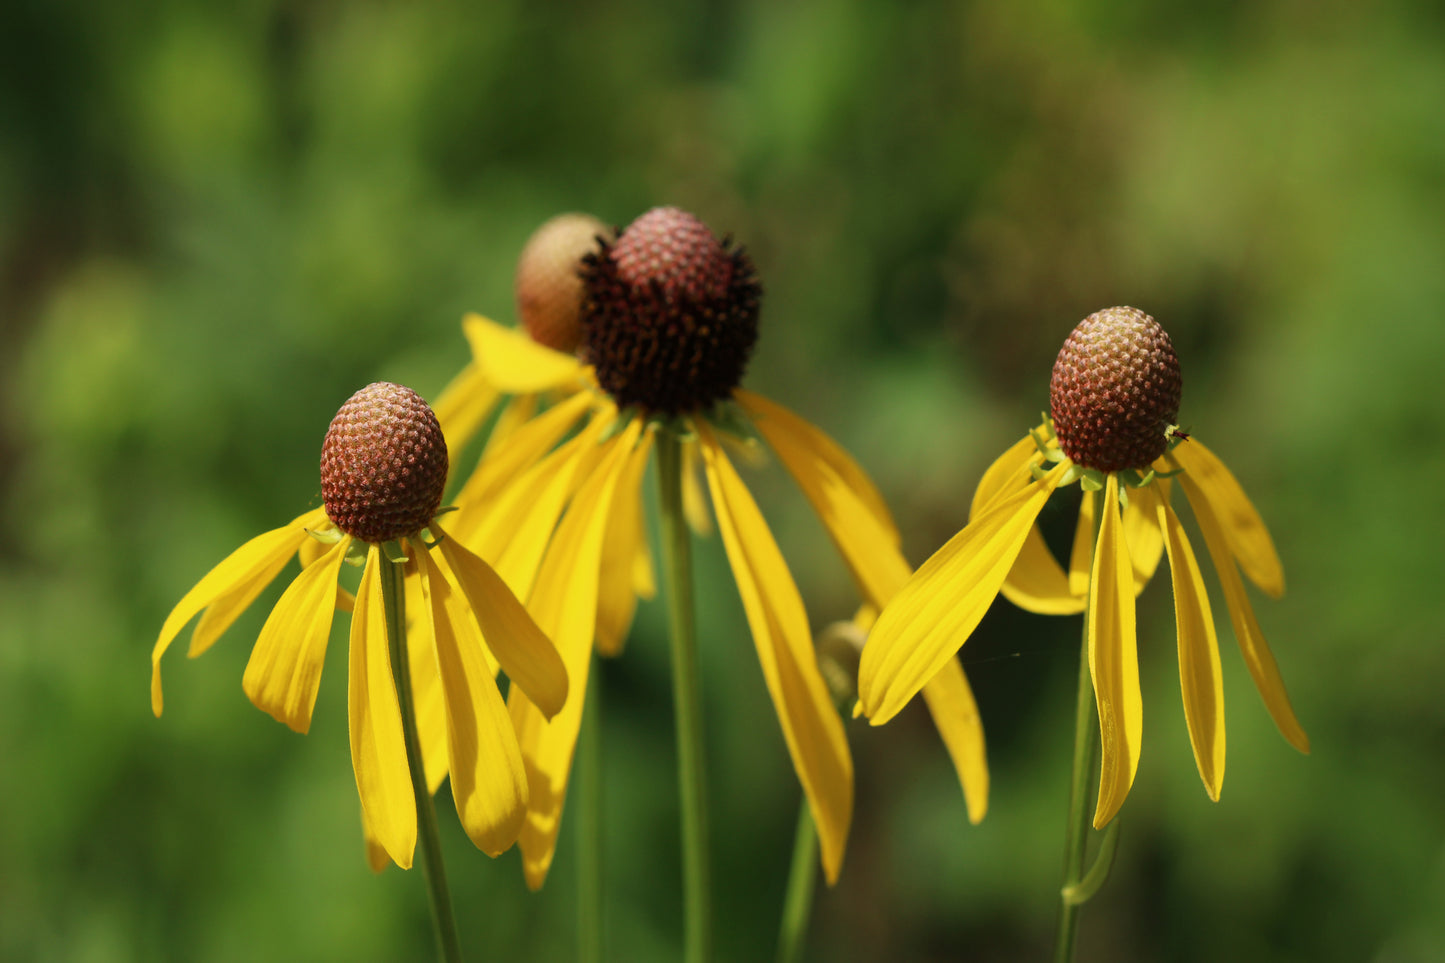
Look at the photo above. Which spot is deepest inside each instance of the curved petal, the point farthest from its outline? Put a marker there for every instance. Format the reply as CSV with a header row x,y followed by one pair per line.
x,y
934,613
518,411
522,650
463,405
1257,655
489,782
1008,471
622,548
378,750
1114,660
515,364
525,446
1081,553
1142,532
1200,677
252,566
564,601
426,692
950,701
1243,529
284,672
811,725
772,420
867,540
376,855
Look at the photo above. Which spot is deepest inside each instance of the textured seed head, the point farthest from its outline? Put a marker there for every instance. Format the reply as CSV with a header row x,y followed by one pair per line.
x,y
383,464
1115,391
670,314
548,285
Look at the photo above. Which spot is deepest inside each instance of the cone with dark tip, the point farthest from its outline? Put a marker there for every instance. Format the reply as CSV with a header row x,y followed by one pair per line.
x,y
548,285
383,464
1115,391
670,315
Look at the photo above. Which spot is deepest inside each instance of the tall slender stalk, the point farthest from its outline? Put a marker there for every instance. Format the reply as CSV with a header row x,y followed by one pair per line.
x,y
1076,835
692,782
393,600
802,880
589,826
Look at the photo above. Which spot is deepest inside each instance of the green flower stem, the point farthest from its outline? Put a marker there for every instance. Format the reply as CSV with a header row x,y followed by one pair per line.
x,y
393,600
1086,745
589,827
802,879
692,782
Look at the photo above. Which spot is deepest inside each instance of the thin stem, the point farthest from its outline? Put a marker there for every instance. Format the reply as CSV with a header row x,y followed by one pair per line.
x,y
589,827
1086,742
393,599
691,772
802,879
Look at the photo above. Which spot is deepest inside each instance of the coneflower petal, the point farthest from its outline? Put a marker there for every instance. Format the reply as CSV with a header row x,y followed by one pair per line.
x,y
1243,529
1114,659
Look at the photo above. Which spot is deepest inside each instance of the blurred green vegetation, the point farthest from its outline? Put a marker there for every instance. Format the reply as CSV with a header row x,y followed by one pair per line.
x,y
217,221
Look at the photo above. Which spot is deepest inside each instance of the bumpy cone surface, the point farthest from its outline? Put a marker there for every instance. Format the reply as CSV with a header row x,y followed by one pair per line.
x,y
548,286
383,464
1115,390
671,314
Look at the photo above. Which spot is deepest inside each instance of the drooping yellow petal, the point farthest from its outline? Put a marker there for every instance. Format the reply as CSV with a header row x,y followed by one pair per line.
x,y
1200,677
934,613
865,538
522,650
1243,529
811,725
284,672
1142,533
525,447
1036,583
1262,666
1114,659
254,564
378,750
464,404
518,411
515,364
624,544
564,601
694,502
951,703
1081,554
772,419
489,782
426,692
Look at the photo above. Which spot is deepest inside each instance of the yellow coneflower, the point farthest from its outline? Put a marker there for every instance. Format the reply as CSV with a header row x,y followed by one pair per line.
x,y
667,321
1114,402
383,467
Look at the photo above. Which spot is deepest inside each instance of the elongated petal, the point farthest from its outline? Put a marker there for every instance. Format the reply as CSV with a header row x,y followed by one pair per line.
x,y
1036,583
565,604
1200,677
1081,554
1114,660
426,691
934,613
526,446
811,725
518,411
950,701
1243,529
253,565
624,544
1142,533
284,672
867,540
464,404
1257,655
376,855
378,750
694,500
515,364
489,782
523,651
773,420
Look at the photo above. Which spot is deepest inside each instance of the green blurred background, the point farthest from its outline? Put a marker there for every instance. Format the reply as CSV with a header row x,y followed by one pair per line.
x,y
217,221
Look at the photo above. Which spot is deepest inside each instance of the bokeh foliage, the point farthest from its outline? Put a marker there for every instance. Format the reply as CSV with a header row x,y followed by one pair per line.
x,y
216,221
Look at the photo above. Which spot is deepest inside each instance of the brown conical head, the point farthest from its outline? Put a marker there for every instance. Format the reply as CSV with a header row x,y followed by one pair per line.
x,y
548,284
1115,391
670,314
383,464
